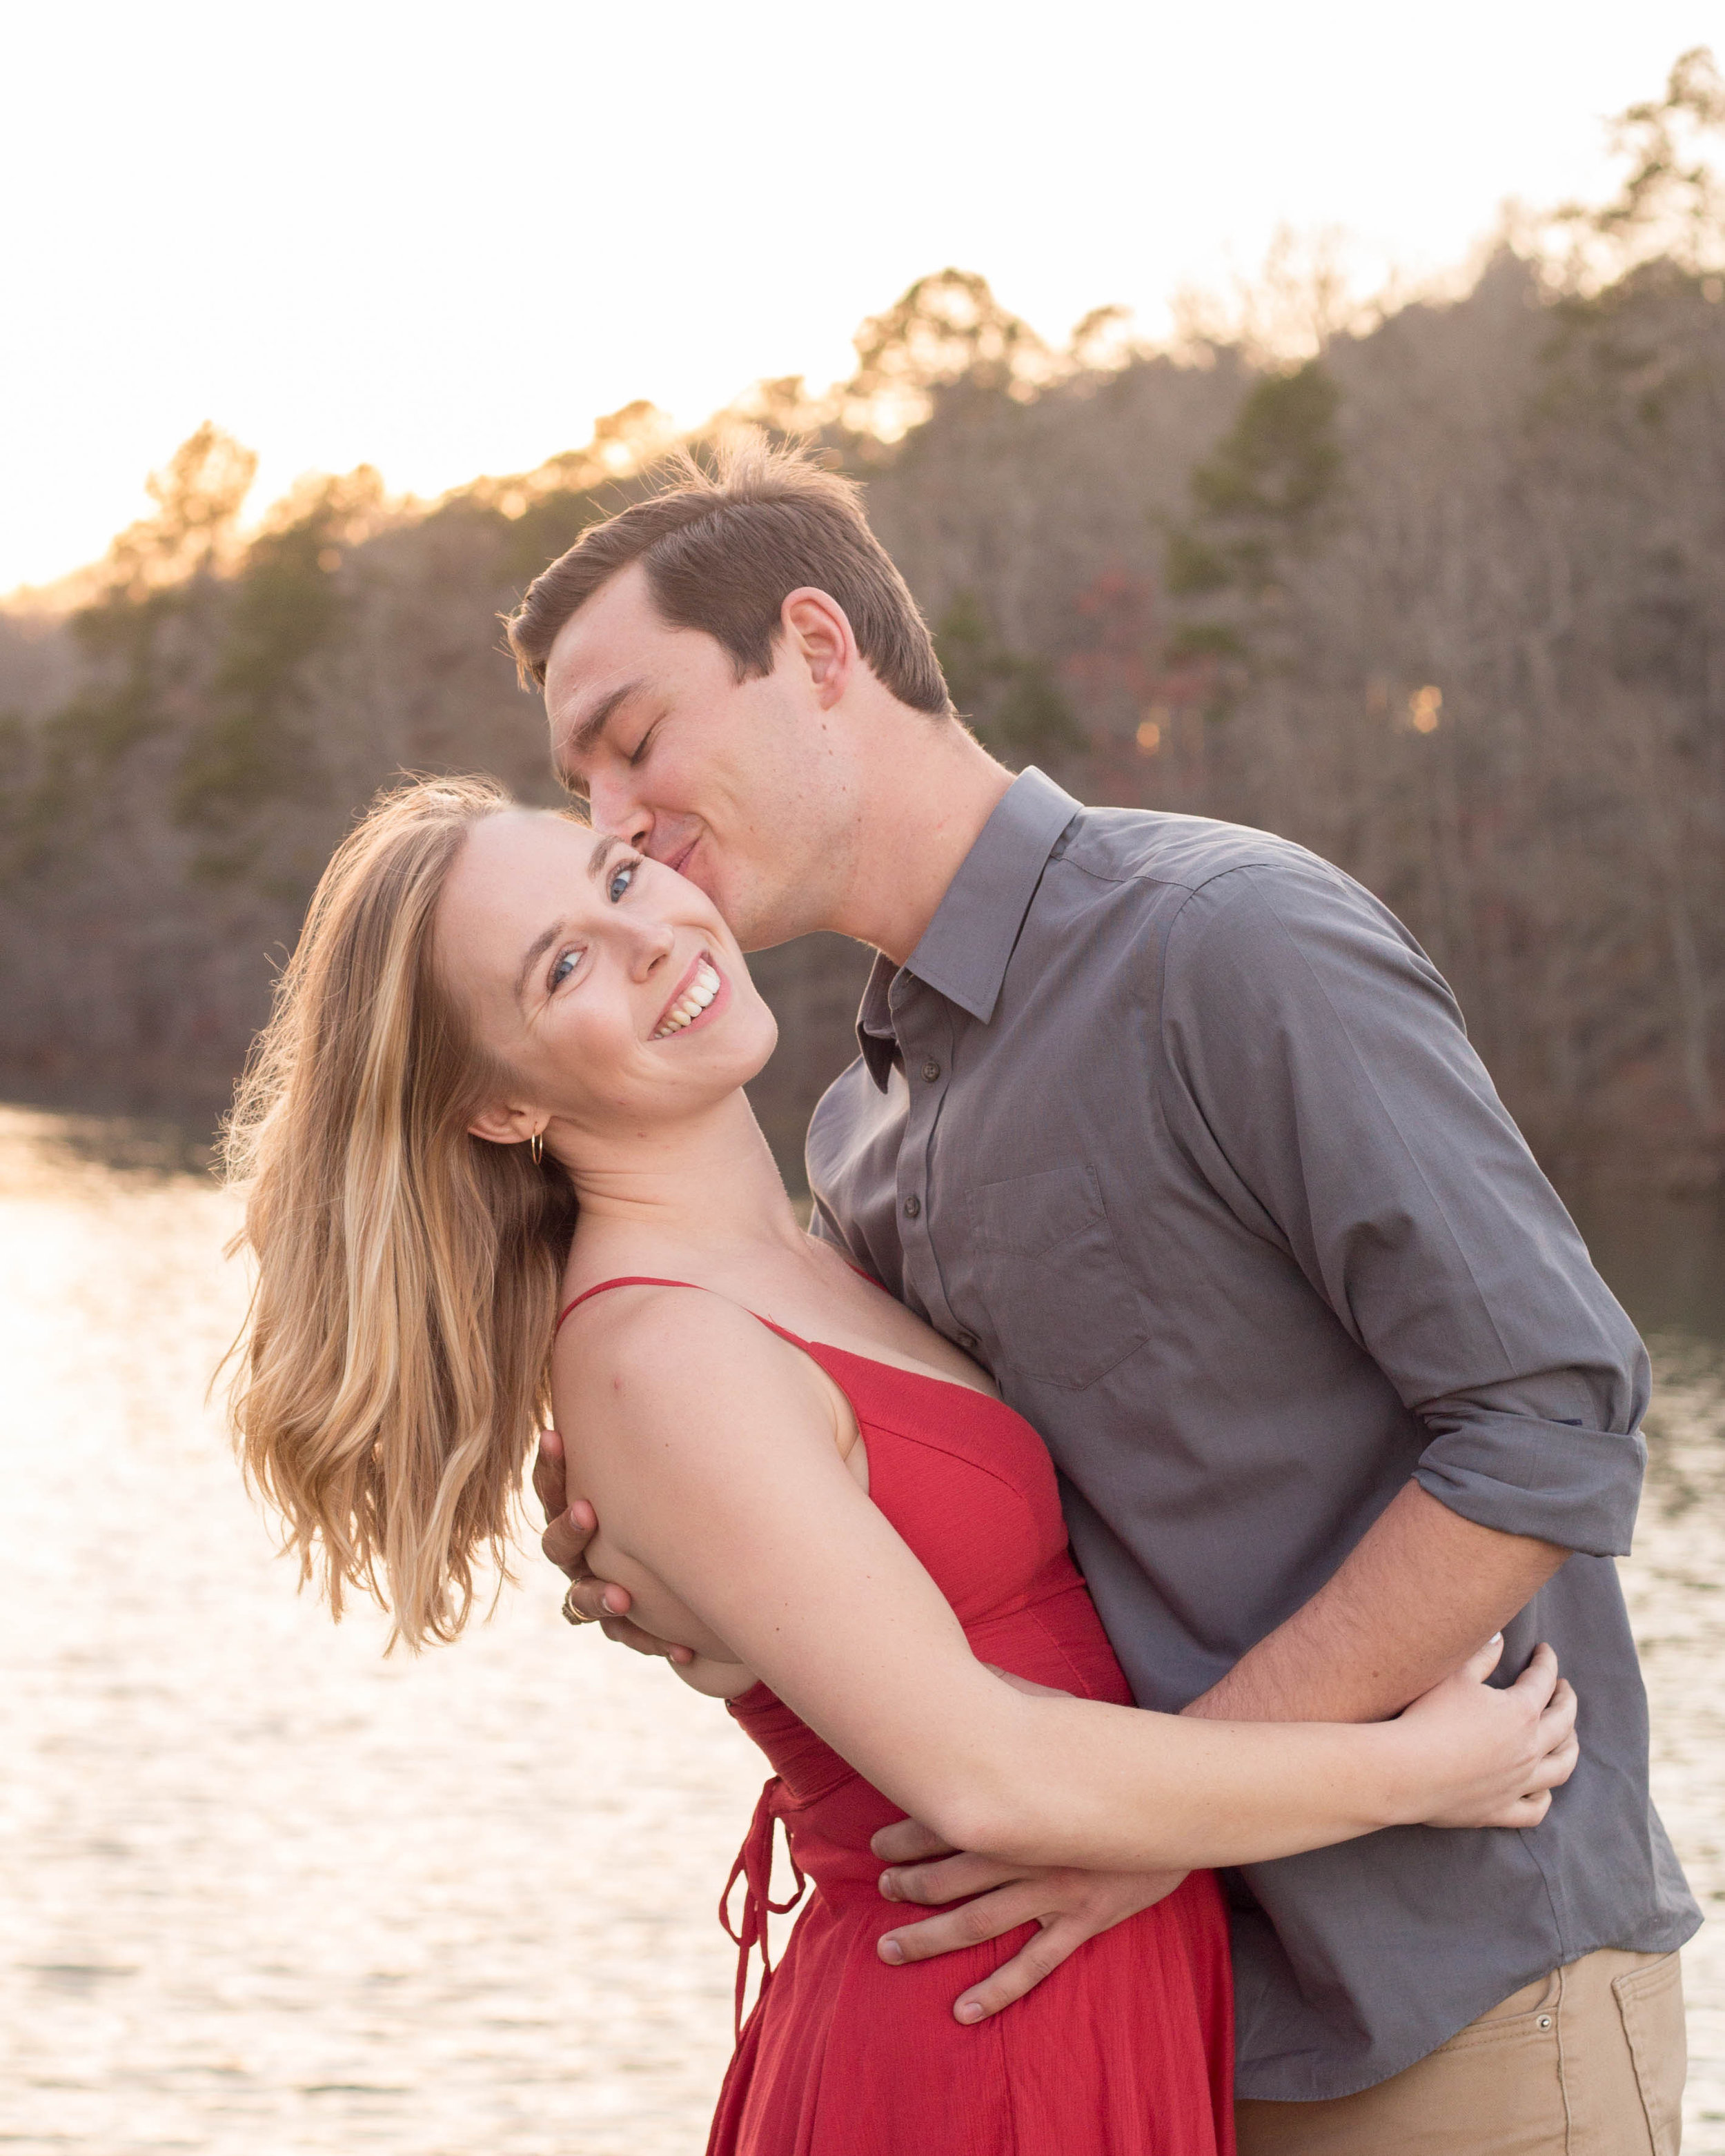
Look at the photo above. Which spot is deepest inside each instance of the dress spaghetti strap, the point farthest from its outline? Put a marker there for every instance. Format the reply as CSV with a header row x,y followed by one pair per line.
x,y
649,1280
625,1280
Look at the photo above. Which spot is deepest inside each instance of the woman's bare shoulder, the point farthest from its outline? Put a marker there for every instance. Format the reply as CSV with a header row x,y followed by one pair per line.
x,y
669,1347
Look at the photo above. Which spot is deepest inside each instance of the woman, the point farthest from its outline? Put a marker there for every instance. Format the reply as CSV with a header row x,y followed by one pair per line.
x,y
500,1165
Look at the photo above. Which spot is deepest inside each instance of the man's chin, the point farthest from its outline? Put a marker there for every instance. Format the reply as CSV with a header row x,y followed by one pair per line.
x,y
745,923
761,932
757,926
697,868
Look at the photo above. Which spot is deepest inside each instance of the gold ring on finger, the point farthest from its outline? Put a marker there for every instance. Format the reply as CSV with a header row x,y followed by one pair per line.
x,y
571,1615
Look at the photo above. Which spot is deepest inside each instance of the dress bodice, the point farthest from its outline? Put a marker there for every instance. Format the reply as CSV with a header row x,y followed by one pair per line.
x,y
968,1485
1127,2049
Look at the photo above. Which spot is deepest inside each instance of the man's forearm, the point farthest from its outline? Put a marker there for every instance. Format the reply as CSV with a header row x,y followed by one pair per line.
x,y
1422,1589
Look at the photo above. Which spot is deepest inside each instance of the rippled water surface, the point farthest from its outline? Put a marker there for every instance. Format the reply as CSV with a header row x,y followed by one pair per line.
x,y
261,1891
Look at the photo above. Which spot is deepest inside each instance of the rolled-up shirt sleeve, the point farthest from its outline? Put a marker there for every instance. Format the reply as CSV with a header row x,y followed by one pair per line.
x,y
1319,1075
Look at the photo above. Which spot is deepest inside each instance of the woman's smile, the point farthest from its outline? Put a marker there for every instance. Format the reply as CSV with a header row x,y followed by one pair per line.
x,y
701,994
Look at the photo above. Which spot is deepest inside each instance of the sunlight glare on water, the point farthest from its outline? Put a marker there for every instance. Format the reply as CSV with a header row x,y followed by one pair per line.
x,y
262,1892
259,1890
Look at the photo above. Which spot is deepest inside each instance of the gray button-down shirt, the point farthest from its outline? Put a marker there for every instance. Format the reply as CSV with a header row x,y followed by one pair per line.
x,y
1179,1131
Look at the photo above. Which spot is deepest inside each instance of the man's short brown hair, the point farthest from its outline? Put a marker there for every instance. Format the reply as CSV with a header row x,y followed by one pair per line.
x,y
724,548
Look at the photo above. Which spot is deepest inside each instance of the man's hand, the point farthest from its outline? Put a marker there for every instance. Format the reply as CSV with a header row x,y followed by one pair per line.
x,y
1069,1906
569,1528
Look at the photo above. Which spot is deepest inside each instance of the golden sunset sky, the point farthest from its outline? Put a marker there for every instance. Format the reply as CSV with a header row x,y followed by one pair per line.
x,y
443,238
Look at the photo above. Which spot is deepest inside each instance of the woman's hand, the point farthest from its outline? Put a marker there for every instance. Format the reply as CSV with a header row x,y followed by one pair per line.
x,y
569,1528
1496,1756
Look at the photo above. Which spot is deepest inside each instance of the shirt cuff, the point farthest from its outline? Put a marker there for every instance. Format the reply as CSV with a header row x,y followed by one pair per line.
x,y
1556,1481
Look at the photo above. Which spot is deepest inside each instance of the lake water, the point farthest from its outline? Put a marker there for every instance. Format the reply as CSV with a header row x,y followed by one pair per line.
x,y
261,1891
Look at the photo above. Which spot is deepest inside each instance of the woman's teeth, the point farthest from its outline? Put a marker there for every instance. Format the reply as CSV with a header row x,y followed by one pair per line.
x,y
698,994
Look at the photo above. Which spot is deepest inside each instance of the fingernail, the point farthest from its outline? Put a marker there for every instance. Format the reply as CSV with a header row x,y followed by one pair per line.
x,y
888,1887
682,1653
970,2011
607,1601
891,1951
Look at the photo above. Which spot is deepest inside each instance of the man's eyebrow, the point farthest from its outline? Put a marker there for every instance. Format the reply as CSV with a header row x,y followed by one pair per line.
x,y
587,734
603,849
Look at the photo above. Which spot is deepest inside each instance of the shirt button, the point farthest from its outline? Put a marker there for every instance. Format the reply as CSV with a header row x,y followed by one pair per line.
x,y
931,1070
967,1340
913,1206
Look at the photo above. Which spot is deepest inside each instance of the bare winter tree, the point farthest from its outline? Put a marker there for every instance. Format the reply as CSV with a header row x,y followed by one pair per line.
x,y
1437,589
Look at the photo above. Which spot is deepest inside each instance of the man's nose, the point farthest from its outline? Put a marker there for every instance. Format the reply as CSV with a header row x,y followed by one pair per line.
x,y
613,809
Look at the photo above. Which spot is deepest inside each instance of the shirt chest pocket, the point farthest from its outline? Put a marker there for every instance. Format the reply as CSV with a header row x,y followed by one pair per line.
x,y
1063,1308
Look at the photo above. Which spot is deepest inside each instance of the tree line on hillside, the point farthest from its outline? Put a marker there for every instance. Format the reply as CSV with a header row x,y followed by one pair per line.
x,y
1441,594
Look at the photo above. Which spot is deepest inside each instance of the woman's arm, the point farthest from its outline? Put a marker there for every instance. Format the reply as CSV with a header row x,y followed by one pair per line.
x,y
711,1462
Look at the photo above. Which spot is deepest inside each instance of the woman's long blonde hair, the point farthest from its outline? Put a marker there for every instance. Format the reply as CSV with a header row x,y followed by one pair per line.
x,y
394,1366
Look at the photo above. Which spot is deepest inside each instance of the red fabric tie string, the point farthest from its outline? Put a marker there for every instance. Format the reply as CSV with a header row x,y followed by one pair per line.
x,y
754,1867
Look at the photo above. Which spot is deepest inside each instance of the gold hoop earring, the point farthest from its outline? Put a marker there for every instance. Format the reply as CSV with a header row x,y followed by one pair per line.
x,y
536,1147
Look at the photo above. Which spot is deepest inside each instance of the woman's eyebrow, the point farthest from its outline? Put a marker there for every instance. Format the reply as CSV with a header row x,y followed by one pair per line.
x,y
536,951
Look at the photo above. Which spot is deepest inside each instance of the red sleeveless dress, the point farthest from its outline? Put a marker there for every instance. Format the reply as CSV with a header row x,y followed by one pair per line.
x,y
1127,2048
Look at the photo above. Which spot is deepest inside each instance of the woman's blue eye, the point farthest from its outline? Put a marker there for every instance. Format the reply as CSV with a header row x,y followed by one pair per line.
x,y
621,877
565,966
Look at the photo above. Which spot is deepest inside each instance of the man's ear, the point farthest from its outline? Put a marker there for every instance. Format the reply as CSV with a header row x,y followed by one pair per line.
x,y
504,1126
818,629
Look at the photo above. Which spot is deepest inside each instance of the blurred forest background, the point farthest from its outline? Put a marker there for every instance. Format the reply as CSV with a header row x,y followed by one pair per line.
x,y
1435,586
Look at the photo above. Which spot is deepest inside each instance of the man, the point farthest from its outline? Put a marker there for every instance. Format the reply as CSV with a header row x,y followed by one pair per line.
x,y
1178,1131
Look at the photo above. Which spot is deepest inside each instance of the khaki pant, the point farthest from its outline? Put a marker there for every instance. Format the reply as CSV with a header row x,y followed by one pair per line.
x,y
1588,2061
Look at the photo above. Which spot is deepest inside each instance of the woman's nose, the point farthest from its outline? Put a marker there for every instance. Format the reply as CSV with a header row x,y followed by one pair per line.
x,y
653,943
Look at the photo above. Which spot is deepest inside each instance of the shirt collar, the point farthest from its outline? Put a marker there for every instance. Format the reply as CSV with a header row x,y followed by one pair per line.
x,y
965,949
